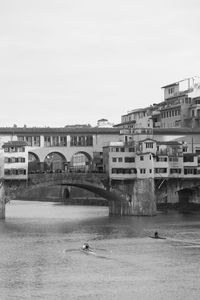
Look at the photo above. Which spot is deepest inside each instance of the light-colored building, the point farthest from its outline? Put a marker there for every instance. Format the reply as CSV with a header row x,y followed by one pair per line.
x,y
123,161
14,160
149,158
104,123
179,108
52,149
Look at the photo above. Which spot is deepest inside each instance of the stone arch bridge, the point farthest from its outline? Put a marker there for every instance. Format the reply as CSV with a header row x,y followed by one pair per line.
x,y
124,198
97,183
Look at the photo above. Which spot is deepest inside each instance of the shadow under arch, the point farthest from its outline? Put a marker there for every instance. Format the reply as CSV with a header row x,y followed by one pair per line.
x,y
34,163
54,161
87,155
108,195
32,156
81,160
55,152
185,195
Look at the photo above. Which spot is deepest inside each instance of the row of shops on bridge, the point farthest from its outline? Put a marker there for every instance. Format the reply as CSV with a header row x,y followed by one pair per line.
x,y
147,158
167,163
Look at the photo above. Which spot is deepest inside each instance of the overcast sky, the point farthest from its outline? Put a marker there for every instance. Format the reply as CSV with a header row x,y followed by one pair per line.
x,y
76,61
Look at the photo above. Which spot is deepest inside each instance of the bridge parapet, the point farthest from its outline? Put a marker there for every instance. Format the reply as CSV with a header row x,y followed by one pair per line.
x,y
99,179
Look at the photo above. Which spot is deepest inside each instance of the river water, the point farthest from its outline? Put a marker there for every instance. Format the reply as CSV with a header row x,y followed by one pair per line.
x,y
41,258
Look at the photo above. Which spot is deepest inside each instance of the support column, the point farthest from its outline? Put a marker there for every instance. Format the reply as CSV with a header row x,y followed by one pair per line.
x,y
143,198
138,199
2,201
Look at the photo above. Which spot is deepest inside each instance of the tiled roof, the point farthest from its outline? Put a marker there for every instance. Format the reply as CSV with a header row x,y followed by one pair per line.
x,y
14,144
169,143
57,130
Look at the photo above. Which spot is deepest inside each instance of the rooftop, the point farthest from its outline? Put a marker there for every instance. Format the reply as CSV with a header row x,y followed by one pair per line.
x,y
14,144
57,130
172,84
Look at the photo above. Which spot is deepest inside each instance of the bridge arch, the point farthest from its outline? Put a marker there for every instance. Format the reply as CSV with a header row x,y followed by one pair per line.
x,y
185,195
33,162
54,162
81,161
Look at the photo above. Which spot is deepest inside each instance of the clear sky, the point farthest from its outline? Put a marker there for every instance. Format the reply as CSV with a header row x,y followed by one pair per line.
x,y
76,61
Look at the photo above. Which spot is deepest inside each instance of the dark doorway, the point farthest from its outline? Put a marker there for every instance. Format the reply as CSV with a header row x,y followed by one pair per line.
x,y
185,198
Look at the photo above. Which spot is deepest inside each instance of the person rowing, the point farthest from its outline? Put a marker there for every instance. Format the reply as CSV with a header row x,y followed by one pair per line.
x,y
86,247
156,236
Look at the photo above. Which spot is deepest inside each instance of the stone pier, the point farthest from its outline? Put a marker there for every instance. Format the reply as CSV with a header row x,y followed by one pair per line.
x,y
139,199
2,201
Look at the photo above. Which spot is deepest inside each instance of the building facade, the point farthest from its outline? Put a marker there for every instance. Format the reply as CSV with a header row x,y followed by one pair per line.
x,y
14,160
179,108
58,149
150,159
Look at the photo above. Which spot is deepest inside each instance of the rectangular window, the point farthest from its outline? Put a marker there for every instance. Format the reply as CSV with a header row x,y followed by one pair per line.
x,y
12,159
21,159
13,149
160,170
47,141
175,171
7,172
114,159
170,90
149,145
81,141
36,141
21,149
120,159
63,141
188,158
28,139
160,158
14,171
129,159
190,171
55,141
141,157
175,159
21,172
142,171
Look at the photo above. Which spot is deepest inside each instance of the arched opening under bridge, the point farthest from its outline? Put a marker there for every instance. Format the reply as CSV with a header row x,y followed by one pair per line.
x,y
54,162
34,165
106,194
80,161
185,199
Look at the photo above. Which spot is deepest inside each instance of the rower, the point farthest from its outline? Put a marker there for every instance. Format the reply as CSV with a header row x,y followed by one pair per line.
x,y
156,235
85,246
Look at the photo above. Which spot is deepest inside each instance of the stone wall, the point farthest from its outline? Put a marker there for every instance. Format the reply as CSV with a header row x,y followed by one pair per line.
x,y
139,198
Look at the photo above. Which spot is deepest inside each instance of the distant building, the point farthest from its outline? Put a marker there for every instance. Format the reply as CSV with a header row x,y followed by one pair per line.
x,y
14,160
103,123
149,158
179,108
